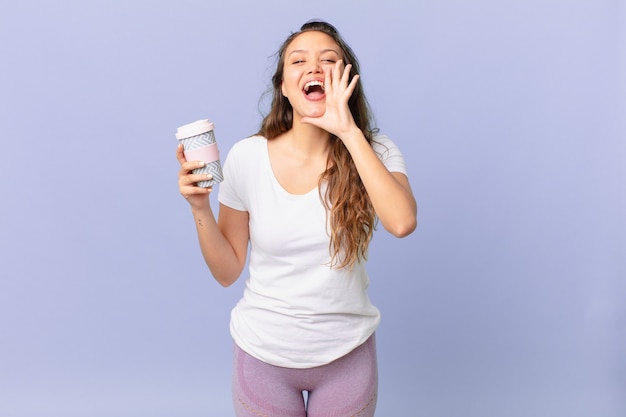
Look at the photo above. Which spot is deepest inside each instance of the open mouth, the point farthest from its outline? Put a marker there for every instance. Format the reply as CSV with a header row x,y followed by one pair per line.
x,y
314,89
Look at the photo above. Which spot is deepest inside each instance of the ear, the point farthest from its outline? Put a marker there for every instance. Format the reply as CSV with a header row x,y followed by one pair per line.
x,y
282,88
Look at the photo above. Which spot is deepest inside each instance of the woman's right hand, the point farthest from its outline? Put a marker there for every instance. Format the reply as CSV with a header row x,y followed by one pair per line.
x,y
196,196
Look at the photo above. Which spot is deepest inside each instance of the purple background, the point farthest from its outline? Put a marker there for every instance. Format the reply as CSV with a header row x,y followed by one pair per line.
x,y
508,300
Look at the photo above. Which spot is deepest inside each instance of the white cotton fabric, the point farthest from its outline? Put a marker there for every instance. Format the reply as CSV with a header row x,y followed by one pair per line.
x,y
296,311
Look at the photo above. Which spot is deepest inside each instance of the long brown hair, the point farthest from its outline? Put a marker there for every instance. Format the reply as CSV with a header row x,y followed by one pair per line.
x,y
352,216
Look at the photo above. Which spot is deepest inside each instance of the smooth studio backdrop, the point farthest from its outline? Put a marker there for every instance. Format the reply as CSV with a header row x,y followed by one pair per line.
x,y
508,300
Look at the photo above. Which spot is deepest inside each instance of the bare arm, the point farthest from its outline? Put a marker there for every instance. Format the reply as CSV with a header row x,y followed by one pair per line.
x,y
390,193
224,243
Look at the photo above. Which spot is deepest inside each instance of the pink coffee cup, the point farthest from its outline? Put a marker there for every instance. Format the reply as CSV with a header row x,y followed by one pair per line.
x,y
199,144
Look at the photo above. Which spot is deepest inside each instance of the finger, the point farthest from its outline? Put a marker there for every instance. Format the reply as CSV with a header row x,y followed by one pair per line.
x,y
352,85
328,81
192,179
191,189
337,74
346,75
180,155
187,167
189,192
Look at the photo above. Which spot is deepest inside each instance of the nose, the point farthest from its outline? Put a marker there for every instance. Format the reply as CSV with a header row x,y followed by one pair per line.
x,y
314,68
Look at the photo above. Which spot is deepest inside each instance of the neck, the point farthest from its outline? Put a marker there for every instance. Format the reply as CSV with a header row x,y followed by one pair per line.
x,y
308,139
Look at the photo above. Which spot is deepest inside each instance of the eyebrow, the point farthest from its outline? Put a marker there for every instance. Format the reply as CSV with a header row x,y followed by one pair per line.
x,y
323,51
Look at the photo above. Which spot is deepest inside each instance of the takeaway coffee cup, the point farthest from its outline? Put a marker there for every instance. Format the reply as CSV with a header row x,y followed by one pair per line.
x,y
199,144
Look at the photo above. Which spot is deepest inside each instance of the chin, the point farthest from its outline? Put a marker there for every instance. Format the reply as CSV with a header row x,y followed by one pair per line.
x,y
315,111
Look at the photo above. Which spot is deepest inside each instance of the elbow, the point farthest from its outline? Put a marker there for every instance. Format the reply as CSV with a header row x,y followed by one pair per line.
x,y
403,228
225,284
401,221
225,281
225,278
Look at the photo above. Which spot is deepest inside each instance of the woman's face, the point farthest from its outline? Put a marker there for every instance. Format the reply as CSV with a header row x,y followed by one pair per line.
x,y
306,61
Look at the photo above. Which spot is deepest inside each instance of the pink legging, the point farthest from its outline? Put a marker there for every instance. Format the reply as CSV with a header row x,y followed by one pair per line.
x,y
344,388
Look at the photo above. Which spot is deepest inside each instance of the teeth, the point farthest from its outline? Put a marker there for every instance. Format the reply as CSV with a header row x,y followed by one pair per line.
x,y
310,84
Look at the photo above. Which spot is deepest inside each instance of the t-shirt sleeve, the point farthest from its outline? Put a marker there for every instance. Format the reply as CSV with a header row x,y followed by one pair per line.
x,y
389,154
230,188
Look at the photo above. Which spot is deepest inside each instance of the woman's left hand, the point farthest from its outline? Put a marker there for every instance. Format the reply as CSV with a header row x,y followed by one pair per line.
x,y
337,119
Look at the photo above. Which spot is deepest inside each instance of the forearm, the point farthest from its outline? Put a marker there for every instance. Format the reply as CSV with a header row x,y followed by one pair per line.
x,y
218,252
391,196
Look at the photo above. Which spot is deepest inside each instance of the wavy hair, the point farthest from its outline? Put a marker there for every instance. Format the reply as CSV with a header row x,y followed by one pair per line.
x,y
352,217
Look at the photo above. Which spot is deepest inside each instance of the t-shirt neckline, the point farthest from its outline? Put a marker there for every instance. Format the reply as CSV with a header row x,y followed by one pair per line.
x,y
277,184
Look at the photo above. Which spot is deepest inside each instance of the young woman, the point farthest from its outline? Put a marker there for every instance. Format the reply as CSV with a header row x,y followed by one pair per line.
x,y
305,193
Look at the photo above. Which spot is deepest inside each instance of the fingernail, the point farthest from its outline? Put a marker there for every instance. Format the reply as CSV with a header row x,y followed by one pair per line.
x,y
200,163
209,176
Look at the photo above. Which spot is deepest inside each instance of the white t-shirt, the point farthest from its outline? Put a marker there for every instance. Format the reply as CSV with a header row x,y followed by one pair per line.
x,y
296,311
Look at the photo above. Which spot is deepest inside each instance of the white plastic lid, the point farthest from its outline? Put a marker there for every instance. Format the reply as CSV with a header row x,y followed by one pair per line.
x,y
193,129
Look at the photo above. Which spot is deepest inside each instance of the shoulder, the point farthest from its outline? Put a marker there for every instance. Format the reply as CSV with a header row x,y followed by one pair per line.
x,y
389,153
384,146
242,165
249,144
247,149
